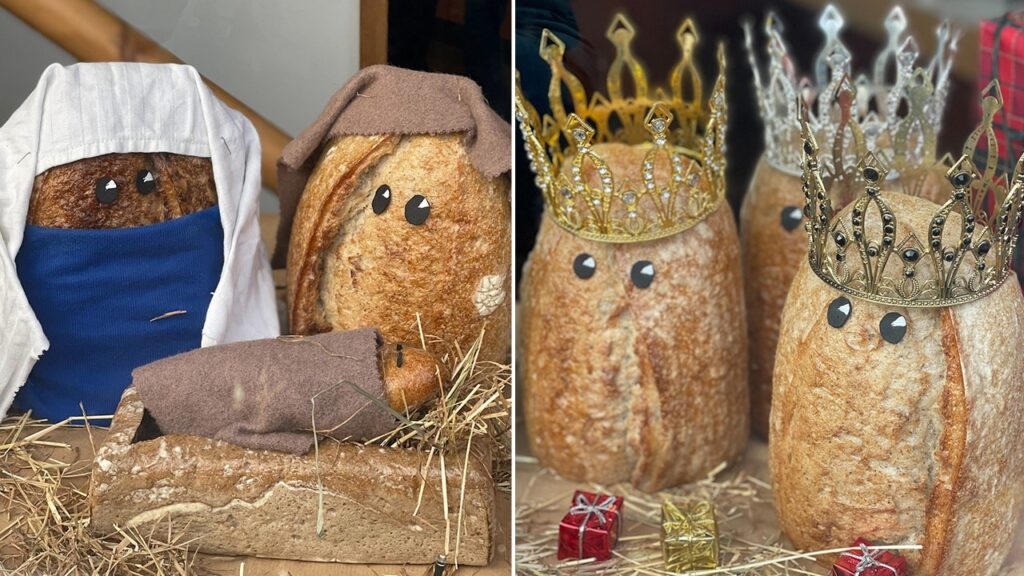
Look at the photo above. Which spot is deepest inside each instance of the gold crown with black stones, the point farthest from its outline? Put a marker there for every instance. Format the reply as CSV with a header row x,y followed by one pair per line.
x,y
966,254
879,112
587,198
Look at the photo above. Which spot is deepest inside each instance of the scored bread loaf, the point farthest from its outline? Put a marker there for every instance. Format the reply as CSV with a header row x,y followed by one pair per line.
x,y
621,383
236,501
910,443
449,274
79,194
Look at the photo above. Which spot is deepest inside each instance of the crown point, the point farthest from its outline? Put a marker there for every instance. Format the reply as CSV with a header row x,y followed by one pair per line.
x,y
620,27
551,46
831,20
687,33
896,21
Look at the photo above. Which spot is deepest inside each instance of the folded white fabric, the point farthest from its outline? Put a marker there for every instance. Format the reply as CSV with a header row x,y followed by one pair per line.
x,y
88,110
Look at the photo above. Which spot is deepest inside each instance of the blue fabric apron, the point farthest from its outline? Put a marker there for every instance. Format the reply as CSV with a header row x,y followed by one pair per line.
x,y
97,294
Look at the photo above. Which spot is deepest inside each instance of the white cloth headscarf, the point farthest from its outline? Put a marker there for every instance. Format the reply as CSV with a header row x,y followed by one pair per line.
x,y
88,110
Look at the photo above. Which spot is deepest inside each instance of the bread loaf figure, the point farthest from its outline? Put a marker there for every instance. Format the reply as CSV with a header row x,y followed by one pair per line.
x,y
632,348
899,387
404,218
131,219
851,115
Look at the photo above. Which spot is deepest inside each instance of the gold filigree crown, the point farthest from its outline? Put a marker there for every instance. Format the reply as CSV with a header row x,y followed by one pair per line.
x,y
966,254
878,112
682,176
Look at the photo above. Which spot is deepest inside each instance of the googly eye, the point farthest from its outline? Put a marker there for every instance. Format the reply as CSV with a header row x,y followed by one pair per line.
x,y
381,199
584,266
642,273
106,190
417,209
791,217
144,182
893,327
839,312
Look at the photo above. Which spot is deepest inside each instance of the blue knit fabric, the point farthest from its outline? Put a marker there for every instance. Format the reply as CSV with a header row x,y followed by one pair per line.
x,y
97,294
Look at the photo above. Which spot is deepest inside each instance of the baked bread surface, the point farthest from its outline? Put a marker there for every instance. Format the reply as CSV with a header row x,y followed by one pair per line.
x,y
909,443
349,267
65,196
629,384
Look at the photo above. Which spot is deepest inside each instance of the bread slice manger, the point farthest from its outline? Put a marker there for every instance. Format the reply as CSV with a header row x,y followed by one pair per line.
x,y
342,502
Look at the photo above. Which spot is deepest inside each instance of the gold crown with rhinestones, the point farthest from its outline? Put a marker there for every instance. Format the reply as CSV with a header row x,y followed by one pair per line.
x,y
682,176
898,116
866,251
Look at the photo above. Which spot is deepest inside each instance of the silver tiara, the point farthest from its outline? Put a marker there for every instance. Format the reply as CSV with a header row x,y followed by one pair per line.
x,y
895,116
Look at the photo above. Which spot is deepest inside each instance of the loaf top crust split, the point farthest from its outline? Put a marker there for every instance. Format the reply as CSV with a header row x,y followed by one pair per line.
x,y
80,195
915,442
349,266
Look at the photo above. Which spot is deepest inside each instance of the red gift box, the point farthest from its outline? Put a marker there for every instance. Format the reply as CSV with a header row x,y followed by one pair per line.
x,y
864,562
591,528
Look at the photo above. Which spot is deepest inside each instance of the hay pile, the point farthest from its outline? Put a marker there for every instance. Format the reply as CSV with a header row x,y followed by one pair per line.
x,y
44,480
742,503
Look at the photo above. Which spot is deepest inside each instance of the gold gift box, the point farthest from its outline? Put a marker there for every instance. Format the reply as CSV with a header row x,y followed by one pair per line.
x,y
689,536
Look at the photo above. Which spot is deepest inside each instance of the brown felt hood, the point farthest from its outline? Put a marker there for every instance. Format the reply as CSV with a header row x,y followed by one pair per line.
x,y
389,100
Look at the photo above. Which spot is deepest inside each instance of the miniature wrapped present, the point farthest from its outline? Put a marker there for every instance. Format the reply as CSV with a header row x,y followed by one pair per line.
x,y
591,527
865,562
689,536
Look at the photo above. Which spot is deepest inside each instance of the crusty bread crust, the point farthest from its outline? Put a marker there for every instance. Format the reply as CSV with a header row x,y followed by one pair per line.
x,y
628,384
771,256
916,442
348,267
237,501
65,196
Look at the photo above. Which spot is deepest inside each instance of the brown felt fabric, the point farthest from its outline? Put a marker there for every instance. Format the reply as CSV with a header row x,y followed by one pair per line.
x,y
389,100
258,394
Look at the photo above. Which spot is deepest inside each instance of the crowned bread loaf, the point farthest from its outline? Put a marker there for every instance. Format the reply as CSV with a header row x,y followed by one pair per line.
x,y
916,442
627,379
236,501
403,233
122,191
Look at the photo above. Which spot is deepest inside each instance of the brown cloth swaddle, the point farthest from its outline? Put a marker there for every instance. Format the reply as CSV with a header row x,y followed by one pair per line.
x,y
388,100
258,394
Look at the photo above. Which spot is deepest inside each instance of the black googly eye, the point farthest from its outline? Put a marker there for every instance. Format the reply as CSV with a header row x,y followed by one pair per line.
x,y
145,183
584,266
791,217
893,327
106,190
417,209
839,312
642,273
381,199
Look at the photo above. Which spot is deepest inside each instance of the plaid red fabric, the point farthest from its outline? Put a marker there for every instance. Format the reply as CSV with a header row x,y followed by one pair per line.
x,y
1001,56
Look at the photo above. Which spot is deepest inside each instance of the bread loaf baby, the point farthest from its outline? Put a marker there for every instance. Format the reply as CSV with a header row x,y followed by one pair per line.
x,y
404,218
132,197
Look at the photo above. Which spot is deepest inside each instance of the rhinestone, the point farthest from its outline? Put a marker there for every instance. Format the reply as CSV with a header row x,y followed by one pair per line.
x,y
983,248
631,214
871,174
872,250
658,124
909,273
911,255
893,327
579,134
596,201
629,197
808,149
839,312
888,229
948,255
659,141
840,239
650,185
692,180
566,193
961,179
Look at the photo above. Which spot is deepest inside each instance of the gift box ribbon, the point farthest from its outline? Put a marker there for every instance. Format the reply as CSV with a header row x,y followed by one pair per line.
x,y
868,559
592,508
